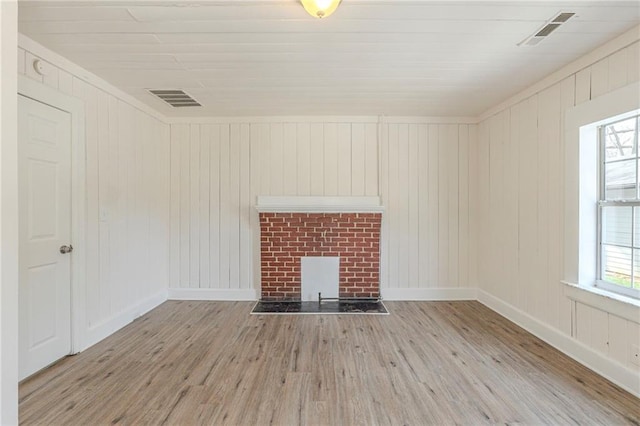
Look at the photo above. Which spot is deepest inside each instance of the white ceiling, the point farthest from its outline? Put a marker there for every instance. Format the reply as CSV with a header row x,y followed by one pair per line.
x,y
371,57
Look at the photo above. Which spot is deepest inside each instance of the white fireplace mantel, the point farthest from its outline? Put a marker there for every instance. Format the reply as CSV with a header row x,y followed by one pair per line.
x,y
296,204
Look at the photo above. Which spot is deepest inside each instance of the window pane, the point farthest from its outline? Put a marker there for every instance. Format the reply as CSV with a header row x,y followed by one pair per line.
x,y
636,269
616,265
620,180
620,140
616,226
636,227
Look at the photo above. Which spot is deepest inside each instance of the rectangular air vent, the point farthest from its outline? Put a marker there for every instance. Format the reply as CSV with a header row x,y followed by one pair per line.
x,y
550,26
175,97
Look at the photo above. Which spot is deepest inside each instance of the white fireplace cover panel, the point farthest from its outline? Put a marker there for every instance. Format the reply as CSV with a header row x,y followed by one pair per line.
x,y
319,274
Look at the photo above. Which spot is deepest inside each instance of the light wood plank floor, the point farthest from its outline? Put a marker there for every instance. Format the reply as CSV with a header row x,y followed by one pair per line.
x,y
427,363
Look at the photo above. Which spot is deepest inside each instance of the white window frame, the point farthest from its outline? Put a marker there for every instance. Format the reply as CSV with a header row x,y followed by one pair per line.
x,y
602,202
581,196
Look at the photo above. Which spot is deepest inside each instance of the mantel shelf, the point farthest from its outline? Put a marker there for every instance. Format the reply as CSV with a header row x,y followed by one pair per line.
x,y
303,204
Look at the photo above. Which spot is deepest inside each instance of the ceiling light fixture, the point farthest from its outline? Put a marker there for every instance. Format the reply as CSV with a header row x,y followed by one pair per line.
x,y
320,8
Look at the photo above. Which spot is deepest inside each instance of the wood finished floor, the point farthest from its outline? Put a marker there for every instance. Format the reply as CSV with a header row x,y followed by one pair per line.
x,y
427,363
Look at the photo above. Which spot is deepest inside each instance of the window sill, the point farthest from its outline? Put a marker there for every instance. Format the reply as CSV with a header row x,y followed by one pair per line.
x,y
619,305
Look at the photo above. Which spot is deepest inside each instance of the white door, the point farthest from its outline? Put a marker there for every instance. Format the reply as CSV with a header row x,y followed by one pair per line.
x,y
44,190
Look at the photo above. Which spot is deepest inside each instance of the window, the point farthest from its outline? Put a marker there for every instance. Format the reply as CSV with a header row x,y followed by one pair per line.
x,y
619,207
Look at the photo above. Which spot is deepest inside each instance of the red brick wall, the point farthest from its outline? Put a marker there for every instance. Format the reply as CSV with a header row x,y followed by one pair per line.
x,y
354,237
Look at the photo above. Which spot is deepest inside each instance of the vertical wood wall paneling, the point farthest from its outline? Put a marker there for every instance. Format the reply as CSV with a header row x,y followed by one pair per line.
x,y
234,201
194,210
277,159
317,159
496,192
529,228
618,69
358,159
433,210
290,157
109,210
138,202
521,163
205,206
225,167
632,339
401,231
255,173
541,266
583,86
511,173
226,209
473,206
567,100
304,159
344,159
463,206
453,209
183,136
264,152
423,204
385,197
125,143
331,159
600,78
551,129
443,206
371,160
214,133
393,214
617,333
175,236
245,205
483,206
87,93
424,173
413,198
160,214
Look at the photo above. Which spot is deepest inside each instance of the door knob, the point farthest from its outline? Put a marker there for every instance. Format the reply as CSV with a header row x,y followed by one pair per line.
x,y
66,249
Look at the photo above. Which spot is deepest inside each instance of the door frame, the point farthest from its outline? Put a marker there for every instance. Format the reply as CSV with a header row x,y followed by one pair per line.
x,y
75,107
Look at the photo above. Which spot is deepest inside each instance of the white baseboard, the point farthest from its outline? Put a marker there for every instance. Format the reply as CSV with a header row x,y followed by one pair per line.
x,y
415,293
221,294
604,366
106,328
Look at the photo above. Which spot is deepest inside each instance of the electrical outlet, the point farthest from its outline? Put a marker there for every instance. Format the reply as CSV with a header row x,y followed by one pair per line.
x,y
635,354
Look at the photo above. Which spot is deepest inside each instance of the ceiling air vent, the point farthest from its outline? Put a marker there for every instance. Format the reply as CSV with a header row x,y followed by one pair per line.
x,y
550,26
175,97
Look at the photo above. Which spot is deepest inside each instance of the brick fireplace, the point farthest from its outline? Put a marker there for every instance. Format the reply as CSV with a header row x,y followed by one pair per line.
x,y
295,227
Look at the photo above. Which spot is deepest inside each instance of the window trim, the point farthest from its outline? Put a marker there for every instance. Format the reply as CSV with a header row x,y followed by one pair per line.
x,y
602,202
581,181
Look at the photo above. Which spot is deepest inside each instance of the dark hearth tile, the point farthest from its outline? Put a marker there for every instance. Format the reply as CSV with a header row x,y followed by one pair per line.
x,y
365,306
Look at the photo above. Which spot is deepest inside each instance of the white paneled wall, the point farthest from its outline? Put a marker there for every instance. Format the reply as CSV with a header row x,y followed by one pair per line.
x,y
521,207
127,181
218,170
425,189
421,171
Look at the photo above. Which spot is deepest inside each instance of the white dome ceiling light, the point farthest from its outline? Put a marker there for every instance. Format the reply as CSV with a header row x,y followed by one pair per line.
x,y
320,8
